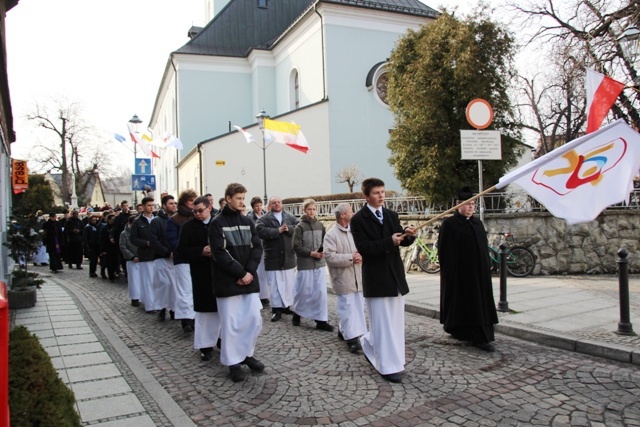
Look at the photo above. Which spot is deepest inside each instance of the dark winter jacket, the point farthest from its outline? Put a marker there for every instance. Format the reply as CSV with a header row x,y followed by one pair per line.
x,y
141,237
193,238
173,231
159,241
236,251
308,237
278,247
382,269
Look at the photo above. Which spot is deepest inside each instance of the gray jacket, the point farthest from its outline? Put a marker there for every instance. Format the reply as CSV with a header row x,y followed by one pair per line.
x,y
278,248
308,237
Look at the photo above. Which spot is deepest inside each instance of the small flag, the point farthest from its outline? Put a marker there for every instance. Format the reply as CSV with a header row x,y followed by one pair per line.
x,y
602,92
147,135
247,136
285,133
119,137
578,180
144,145
175,142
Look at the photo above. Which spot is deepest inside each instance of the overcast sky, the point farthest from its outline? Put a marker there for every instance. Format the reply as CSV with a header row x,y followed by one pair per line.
x,y
109,56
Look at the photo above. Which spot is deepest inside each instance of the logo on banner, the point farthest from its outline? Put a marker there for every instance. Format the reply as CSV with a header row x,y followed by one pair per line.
x,y
19,176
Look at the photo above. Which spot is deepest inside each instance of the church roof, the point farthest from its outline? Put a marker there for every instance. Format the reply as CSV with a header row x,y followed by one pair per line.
x,y
242,25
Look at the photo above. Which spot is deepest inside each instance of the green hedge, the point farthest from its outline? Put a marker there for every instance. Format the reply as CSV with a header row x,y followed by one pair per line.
x,y
37,396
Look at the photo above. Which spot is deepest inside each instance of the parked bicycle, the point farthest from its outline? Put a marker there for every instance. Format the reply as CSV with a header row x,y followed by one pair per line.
x,y
424,254
520,260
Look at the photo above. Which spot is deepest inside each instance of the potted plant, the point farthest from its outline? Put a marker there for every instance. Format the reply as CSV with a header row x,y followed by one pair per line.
x,y
22,242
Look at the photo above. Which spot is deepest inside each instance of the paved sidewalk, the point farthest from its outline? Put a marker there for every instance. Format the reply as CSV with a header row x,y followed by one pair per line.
x,y
576,313
75,337
127,369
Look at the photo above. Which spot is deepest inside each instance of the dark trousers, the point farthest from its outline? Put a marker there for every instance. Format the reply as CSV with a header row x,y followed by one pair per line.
x,y
92,254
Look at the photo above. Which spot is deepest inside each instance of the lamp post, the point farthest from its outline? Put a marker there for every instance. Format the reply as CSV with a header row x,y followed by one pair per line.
x,y
135,121
261,116
630,43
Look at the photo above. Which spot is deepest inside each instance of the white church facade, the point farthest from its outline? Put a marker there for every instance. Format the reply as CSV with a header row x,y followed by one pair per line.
x,y
318,63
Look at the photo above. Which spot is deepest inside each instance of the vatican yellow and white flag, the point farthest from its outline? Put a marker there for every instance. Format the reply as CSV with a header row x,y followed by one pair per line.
x,y
285,133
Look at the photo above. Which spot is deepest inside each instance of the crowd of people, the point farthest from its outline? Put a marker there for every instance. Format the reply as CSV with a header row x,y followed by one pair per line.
x,y
214,270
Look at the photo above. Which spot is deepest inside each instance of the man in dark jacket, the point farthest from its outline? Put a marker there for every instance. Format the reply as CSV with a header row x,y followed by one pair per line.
x,y
73,237
121,221
53,241
276,231
164,270
236,252
378,235
109,249
91,240
141,237
467,309
193,246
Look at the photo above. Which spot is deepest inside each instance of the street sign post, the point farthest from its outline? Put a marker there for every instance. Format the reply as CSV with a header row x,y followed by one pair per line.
x,y
139,182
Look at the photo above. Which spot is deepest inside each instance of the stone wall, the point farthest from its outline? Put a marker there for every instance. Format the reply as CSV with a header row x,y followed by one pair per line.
x,y
589,248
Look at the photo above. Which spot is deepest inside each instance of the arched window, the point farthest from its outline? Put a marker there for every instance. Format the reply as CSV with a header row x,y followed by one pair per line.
x,y
294,90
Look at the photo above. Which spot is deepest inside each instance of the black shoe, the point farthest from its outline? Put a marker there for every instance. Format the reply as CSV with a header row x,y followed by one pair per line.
x,y
44,263
79,267
206,354
104,276
135,302
93,275
236,373
172,315
70,267
295,320
286,310
187,328
485,346
265,302
323,326
219,343
276,316
253,364
354,346
392,378
340,336
162,314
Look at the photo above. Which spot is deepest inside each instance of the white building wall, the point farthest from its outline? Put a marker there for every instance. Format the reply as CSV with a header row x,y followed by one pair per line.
x,y
360,123
289,172
189,173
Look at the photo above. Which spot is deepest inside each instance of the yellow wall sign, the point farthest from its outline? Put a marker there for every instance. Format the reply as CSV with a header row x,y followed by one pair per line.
x,y
19,176
220,162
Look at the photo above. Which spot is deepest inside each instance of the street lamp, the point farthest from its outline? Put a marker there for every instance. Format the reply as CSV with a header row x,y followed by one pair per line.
x,y
630,43
261,116
135,121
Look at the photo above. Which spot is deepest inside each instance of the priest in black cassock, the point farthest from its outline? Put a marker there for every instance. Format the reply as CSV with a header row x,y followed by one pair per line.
x,y
467,308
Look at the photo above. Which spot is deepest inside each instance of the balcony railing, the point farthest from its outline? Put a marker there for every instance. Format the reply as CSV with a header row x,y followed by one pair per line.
x,y
412,205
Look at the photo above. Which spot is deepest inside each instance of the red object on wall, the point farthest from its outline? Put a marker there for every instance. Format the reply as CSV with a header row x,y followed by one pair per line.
x,y
4,356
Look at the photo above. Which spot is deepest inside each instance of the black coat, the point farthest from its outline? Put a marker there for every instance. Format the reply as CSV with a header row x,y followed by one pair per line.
x,y
52,236
193,239
467,308
278,247
382,269
236,251
141,237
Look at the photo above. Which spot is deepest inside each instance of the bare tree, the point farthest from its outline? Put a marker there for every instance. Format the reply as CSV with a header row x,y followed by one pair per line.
x,y
74,152
349,175
580,34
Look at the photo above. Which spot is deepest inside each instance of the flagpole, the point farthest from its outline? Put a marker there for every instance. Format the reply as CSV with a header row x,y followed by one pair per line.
x,y
261,116
453,209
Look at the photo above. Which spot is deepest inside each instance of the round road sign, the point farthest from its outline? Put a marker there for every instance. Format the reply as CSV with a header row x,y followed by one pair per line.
x,y
479,113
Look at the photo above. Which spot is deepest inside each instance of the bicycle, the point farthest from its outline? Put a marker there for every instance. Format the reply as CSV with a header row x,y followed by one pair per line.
x,y
520,260
424,254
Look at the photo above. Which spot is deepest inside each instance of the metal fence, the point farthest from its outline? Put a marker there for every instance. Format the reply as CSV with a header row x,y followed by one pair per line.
x,y
507,202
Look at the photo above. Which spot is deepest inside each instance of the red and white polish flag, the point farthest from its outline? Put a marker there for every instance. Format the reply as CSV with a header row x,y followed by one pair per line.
x,y
602,92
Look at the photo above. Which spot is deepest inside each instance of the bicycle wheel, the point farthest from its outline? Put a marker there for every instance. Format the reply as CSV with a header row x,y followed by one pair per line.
x,y
409,260
494,260
520,261
428,262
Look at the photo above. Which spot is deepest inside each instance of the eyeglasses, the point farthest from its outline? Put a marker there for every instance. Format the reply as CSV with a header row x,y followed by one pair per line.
x,y
199,211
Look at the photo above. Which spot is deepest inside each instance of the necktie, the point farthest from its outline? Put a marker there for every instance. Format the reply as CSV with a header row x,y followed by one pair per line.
x,y
379,215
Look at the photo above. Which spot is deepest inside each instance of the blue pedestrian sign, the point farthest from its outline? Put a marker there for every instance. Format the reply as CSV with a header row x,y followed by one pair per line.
x,y
143,167
139,182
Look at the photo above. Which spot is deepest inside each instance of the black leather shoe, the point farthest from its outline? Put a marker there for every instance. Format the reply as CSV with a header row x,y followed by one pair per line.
x,y
172,315
295,320
219,343
265,302
187,328
162,315
354,346
340,336
236,373
393,378
276,316
253,364
485,346
206,354
323,326
135,303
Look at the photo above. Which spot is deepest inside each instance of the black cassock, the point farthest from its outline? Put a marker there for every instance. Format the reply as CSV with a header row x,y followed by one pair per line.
x,y
467,308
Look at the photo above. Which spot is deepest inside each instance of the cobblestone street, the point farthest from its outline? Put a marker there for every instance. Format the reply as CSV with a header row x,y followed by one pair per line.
x,y
312,379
